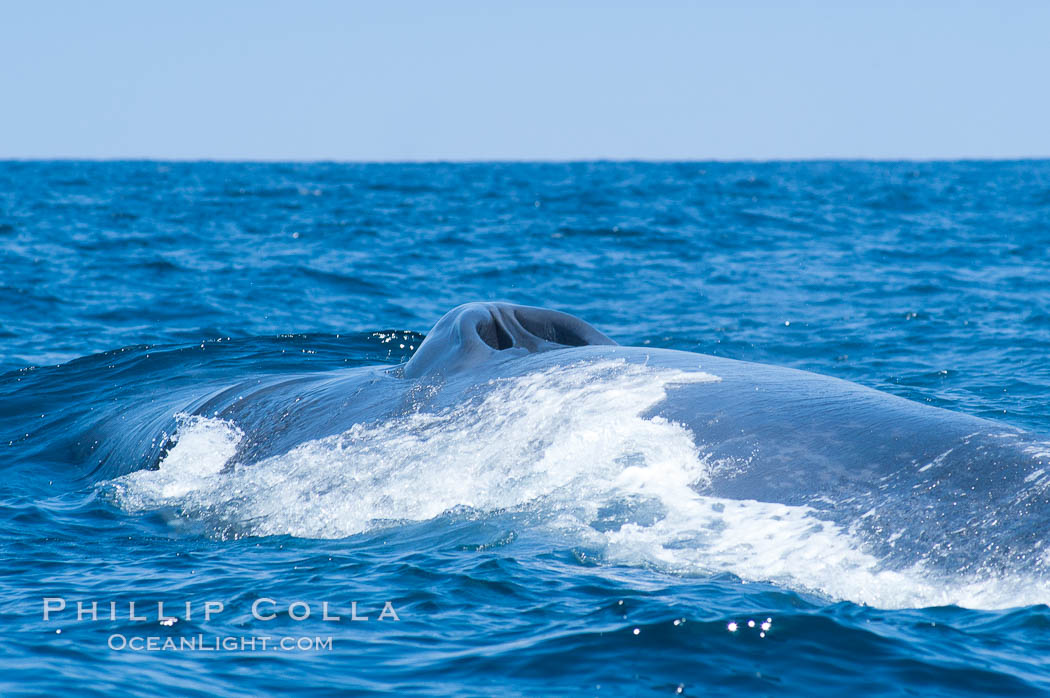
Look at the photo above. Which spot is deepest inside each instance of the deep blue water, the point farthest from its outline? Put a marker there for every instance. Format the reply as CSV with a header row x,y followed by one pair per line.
x,y
124,284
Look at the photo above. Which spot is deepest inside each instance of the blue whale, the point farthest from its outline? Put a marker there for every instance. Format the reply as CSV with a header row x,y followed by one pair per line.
x,y
914,480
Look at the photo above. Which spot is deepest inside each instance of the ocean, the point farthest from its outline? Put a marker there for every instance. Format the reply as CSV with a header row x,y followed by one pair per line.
x,y
395,562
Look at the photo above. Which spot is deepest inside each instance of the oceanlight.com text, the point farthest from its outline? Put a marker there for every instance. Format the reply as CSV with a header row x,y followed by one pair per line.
x,y
218,643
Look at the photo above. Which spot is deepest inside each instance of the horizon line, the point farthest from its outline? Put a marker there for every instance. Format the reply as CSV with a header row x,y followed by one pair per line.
x,y
536,161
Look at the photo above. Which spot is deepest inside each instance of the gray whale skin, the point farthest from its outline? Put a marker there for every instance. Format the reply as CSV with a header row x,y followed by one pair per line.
x,y
952,487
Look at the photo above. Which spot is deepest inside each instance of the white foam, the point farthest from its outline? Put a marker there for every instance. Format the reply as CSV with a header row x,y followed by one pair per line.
x,y
203,447
554,431
567,443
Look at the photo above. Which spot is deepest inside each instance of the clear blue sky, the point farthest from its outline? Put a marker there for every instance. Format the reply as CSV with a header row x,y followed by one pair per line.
x,y
498,80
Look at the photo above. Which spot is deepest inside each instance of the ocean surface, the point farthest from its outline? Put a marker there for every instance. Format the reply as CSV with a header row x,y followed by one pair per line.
x,y
125,286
